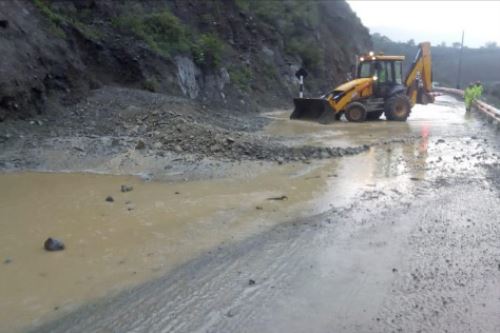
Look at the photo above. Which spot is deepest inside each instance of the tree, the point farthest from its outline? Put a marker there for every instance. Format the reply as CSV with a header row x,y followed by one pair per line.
x,y
411,42
491,45
456,45
443,44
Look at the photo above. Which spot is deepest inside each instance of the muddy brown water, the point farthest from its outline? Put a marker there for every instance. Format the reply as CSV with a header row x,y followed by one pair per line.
x,y
143,233
160,225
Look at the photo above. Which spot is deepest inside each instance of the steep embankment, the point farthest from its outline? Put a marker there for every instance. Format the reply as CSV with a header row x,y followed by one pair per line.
x,y
237,54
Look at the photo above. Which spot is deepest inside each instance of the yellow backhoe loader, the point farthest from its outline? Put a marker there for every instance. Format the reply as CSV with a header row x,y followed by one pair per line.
x,y
379,87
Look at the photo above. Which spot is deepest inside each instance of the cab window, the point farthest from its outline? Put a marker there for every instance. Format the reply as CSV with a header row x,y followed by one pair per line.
x,y
398,72
365,70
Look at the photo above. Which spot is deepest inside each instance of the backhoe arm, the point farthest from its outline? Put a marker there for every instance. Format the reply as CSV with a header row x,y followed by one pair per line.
x,y
419,79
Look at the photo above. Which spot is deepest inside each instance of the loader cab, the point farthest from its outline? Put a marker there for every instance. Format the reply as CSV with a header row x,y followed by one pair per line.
x,y
386,71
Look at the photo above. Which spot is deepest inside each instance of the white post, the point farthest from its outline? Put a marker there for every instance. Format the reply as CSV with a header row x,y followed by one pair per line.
x,y
301,88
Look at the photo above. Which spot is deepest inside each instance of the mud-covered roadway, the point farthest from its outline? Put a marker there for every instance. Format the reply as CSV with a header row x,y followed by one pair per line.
x,y
379,227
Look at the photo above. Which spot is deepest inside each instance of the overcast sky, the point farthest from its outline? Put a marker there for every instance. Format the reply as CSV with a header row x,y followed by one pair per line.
x,y
434,21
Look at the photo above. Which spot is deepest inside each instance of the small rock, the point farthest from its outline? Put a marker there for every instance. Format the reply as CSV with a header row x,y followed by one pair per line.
x,y
283,197
158,145
177,192
440,141
140,145
229,140
53,245
178,149
7,261
394,270
126,188
258,207
110,199
251,282
215,148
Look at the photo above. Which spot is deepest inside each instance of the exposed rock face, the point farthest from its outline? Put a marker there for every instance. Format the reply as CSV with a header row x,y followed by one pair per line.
x,y
55,51
187,74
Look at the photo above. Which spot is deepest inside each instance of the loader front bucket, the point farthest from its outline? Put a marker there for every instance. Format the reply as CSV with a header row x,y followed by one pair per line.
x,y
317,109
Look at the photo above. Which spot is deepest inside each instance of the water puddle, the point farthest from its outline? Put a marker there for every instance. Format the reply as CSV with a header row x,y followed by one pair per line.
x,y
445,116
142,233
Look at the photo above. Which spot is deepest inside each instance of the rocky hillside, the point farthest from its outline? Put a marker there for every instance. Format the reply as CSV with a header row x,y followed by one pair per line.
x,y
237,54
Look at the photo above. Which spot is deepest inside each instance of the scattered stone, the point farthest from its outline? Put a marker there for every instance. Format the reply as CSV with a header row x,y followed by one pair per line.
x,y
110,199
177,192
140,145
52,244
178,149
251,282
215,148
440,141
258,207
126,188
7,261
283,197
394,270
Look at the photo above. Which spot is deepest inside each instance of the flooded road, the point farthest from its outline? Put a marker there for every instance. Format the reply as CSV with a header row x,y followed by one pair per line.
x,y
401,237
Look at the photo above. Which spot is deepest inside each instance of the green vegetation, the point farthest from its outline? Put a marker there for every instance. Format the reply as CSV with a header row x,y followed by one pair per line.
x,y
167,35
151,84
295,20
241,77
57,20
307,50
208,50
163,31
291,14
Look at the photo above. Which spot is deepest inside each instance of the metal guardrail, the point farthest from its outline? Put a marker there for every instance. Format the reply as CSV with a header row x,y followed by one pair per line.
x,y
487,109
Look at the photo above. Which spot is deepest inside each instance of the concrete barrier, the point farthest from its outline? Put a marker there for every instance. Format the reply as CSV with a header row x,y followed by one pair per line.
x,y
490,112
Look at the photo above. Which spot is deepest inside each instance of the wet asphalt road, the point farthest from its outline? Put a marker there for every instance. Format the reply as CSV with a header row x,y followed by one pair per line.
x,y
416,250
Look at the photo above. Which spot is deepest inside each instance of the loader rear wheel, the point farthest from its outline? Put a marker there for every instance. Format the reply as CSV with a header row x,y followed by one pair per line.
x,y
374,115
397,108
355,112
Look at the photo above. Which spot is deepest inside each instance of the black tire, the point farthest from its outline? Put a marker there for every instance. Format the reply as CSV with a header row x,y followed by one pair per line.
x,y
355,112
374,115
397,108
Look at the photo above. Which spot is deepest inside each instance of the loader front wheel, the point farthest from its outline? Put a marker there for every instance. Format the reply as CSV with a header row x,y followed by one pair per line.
x,y
397,108
355,112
